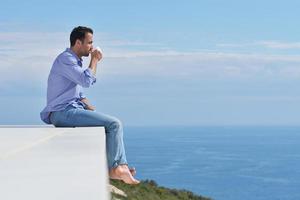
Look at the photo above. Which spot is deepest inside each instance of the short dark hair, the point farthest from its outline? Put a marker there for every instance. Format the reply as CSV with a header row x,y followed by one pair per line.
x,y
78,33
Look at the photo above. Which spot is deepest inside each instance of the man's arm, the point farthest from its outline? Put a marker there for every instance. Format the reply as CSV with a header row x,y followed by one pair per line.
x,y
96,56
70,69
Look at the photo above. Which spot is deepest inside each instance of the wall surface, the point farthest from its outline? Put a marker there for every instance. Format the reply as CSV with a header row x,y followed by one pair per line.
x,y
43,162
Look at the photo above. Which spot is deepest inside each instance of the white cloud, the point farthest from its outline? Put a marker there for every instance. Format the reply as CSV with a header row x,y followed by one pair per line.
x,y
202,64
266,44
280,45
119,43
28,57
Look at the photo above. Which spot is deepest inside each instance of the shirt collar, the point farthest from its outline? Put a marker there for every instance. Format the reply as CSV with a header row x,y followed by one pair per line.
x,y
74,54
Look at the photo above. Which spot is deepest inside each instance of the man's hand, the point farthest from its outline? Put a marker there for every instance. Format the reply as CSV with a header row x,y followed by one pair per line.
x,y
96,55
88,105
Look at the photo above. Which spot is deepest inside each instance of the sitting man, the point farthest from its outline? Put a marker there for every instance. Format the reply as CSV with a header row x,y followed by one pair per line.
x,y
68,107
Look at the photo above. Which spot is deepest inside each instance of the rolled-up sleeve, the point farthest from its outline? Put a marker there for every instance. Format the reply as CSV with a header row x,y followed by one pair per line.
x,y
81,95
74,72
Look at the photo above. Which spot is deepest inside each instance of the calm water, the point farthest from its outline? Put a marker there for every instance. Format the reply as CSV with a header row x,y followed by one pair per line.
x,y
224,163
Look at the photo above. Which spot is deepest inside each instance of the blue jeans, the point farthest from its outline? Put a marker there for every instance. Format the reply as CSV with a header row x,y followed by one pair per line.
x,y
79,117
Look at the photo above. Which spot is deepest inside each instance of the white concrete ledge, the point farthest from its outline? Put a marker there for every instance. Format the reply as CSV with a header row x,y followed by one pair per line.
x,y
43,162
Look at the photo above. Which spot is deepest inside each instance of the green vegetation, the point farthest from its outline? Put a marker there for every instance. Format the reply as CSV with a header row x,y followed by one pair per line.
x,y
149,190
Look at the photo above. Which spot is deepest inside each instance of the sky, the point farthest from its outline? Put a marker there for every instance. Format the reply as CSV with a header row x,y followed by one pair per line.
x,y
165,62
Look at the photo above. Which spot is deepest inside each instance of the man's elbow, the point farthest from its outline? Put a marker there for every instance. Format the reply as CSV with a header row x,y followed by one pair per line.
x,y
88,82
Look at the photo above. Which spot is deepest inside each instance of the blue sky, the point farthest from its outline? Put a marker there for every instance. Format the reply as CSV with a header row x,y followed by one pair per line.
x,y
165,62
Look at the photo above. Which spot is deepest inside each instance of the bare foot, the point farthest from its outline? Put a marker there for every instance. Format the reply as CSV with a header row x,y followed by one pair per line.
x,y
132,170
124,174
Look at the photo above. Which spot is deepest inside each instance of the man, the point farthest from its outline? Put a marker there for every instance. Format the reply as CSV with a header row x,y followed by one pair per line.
x,y
68,107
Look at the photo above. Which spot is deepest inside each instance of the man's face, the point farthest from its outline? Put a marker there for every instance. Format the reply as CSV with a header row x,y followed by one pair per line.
x,y
87,45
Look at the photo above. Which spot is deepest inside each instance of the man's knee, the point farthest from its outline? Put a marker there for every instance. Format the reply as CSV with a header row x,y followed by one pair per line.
x,y
115,124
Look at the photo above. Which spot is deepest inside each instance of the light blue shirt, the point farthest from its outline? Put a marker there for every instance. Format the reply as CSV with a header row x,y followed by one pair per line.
x,y
65,82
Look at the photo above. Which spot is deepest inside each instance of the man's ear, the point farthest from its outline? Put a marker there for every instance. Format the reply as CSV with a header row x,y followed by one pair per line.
x,y
78,42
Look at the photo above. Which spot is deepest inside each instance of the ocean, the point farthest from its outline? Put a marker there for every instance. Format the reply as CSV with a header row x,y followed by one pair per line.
x,y
222,162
